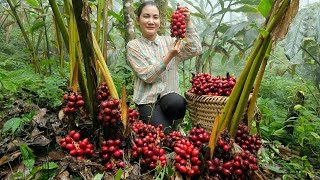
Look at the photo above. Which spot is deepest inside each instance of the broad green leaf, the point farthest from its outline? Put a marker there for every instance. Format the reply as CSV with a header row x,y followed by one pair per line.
x,y
33,3
301,140
264,7
29,163
10,86
233,30
115,15
250,36
118,174
315,135
274,169
26,152
12,124
98,176
279,132
37,25
317,23
246,9
50,165
296,34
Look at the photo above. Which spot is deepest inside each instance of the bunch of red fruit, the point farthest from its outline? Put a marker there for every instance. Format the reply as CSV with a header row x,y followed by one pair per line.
x,y
133,115
198,136
73,102
204,84
76,146
247,141
239,167
187,160
110,149
172,138
147,145
178,26
229,164
109,113
103,92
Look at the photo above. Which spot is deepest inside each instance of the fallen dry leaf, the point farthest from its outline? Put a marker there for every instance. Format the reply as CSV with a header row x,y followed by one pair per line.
x,y
39,117
5,159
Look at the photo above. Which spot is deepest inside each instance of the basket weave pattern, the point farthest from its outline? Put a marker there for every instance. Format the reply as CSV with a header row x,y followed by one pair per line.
x,y
203,109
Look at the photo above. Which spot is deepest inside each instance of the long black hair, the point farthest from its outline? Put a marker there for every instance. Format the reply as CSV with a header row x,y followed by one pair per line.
x,y
146,3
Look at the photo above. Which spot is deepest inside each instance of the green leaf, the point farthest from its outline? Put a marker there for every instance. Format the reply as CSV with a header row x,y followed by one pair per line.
x,y
26,152
98,176
301,140
37,25
315,135
29,163
118,174
12,124
115,15
246,9
50,165
264,7
275,169
279,132
33,3
233,30
296,34
10,86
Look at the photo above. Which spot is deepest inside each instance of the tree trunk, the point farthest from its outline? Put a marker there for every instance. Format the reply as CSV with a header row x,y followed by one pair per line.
x,y
105,31
163,5
81,12
128,14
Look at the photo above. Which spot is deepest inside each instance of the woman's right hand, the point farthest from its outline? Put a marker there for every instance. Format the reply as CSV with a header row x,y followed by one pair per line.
x,y
176,48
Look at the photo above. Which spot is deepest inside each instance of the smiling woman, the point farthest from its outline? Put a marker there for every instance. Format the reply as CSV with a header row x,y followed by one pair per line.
x,y
154,60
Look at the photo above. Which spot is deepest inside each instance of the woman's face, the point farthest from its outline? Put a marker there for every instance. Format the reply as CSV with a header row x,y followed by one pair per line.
x,y
149,22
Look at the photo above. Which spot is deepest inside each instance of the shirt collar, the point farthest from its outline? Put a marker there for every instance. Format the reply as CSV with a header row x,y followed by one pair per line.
x,y
156,40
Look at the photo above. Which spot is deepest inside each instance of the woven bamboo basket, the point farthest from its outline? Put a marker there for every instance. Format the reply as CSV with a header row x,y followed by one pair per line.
x,y
203,109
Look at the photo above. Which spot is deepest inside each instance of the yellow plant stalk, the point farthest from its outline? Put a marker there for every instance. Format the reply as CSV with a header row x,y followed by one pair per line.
x,y
214,134
104,69
124,108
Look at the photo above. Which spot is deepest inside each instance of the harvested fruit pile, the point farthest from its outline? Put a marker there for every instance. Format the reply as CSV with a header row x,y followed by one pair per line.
x,y
151,148
205,84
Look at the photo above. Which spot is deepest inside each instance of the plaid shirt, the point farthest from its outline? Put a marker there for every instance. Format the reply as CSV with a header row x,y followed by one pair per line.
x,y
152,77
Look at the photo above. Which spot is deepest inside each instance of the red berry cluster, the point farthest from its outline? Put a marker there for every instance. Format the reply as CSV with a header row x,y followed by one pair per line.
x,y
246,141
178,26
76,146
103,92
204,84
147,145
172,138
187,159
239,167
109,113
110,149
133,115
226,164
198,136
73,102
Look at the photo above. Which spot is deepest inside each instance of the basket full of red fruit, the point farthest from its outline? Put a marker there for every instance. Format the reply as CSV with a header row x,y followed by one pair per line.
x,y
207,97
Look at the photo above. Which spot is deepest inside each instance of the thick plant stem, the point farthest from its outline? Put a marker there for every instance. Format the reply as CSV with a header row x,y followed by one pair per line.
x,y
251,107
59,21
230,106
105,70
247,87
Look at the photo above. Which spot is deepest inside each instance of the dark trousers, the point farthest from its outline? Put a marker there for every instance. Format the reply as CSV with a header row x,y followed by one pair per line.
x,y
166,111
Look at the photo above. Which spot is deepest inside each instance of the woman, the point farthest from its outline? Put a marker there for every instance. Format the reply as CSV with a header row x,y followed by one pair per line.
x,y
154,60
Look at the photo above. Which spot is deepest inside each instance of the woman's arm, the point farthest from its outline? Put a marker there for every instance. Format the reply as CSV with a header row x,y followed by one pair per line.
x,y
140,64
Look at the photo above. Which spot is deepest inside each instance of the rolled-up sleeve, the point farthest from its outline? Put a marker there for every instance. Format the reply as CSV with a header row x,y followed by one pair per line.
x,y
192,47
141,67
